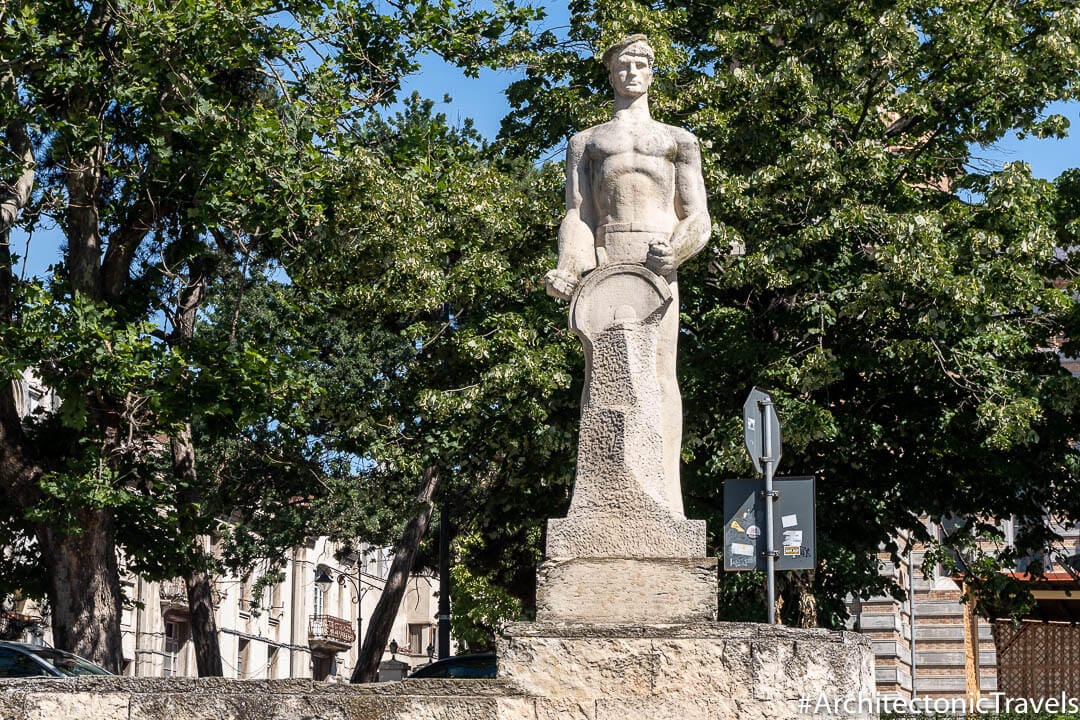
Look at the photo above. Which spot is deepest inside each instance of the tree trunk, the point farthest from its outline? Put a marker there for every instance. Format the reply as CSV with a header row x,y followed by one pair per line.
x,y
17,475
796,592
382,619
83,224
199,582
83,587
204,630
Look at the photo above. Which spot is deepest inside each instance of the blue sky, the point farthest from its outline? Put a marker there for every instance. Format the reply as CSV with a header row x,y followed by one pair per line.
x,y
482,100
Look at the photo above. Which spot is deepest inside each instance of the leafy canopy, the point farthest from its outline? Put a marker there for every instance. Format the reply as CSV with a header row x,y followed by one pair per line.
x,y
902,299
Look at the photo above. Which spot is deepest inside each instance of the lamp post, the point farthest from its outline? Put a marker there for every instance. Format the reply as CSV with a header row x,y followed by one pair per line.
x,y
324,580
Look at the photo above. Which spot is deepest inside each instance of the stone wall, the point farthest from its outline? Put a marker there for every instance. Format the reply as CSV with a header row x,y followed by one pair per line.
x,y
121,698
691,671
548,671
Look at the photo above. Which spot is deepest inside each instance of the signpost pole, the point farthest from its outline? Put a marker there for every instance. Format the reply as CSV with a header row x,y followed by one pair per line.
x,y
770,495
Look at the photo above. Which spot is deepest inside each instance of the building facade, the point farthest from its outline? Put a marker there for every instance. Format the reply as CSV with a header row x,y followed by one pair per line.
x,y
307,625
933,645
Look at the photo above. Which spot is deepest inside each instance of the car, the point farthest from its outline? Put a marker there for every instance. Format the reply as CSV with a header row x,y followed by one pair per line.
x,y
20,660
482,665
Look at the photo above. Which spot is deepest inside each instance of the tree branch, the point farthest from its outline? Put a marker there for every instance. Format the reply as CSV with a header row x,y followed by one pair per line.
x,y
123,243
15,197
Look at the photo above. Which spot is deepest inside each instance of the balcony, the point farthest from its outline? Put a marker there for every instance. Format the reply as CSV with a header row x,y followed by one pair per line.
x,y
173,594
326,632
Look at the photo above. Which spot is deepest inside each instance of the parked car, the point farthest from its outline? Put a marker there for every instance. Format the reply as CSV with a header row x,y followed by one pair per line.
x,y
482,665
19,660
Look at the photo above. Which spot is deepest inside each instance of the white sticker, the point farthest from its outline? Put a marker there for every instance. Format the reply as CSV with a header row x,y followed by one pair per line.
x,y
792,537
790,520
742,549
753,531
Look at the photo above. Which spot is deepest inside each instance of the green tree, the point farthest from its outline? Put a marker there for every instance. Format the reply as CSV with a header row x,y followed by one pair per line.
x,y
173,145
442,372
895,292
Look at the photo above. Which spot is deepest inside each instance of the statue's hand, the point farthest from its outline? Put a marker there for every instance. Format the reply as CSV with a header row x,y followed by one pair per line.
x,y
560,283
661,258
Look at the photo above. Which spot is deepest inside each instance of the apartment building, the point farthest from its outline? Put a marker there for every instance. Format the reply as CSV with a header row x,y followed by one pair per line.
x,y
306,626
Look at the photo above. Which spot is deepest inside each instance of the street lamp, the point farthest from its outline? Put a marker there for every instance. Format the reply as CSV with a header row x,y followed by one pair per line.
x,y
324,580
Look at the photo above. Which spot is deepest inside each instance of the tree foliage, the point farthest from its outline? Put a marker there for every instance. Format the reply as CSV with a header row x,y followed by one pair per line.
x,y
897,294
435,352
174,146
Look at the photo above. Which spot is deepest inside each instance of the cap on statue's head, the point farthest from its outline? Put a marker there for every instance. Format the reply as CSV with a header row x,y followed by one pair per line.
x,y
636,44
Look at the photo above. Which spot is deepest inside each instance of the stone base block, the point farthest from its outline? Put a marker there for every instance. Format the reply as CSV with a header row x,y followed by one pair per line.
x,y
642,529
617,590
742,671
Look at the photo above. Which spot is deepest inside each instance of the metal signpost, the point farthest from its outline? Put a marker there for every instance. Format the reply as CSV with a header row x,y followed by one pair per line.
x,y
745,514
762,430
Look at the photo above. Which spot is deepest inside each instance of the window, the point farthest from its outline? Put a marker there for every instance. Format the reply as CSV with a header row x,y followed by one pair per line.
x,y
273,590
242,649
15,664
175,636
272,663
321,667
245,595
318,607
416,639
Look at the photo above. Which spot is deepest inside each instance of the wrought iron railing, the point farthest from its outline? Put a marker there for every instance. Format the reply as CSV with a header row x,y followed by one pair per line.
x,y
330,628
175,592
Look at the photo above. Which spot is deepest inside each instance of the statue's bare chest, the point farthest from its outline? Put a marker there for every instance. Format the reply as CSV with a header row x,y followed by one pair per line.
x,y
641,140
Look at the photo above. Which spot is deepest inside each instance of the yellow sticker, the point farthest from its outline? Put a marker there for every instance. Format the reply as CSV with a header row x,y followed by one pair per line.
x,y
737,526
791,550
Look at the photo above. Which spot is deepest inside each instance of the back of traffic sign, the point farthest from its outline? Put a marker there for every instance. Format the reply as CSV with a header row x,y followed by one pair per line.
x,y
745,525
762,428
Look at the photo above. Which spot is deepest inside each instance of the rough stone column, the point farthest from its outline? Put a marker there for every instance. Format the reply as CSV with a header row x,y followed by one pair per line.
x,y
624,552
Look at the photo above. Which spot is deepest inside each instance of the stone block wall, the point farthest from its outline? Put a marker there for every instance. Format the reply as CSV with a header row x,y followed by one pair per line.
x,y
120,698
548,671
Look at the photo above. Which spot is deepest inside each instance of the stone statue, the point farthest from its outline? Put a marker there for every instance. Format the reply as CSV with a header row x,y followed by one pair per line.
x,y
635,200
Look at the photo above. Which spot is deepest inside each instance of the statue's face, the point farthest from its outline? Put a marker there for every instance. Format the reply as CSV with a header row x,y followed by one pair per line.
x,y
631,75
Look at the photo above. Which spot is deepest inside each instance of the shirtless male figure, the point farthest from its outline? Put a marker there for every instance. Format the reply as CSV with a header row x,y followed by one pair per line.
x,y
635,194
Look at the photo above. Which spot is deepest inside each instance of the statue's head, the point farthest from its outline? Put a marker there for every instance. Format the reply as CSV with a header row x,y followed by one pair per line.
x,y
629,65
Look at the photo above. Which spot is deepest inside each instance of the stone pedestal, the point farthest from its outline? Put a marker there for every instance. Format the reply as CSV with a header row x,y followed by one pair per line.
x,y
625,552
626,503
627,590
693,671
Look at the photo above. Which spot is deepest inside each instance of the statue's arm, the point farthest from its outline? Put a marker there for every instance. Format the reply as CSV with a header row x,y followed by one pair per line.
x,y
577,245
691,204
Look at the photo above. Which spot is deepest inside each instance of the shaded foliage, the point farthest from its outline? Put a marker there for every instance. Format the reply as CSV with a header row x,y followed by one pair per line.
x,y
895,294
